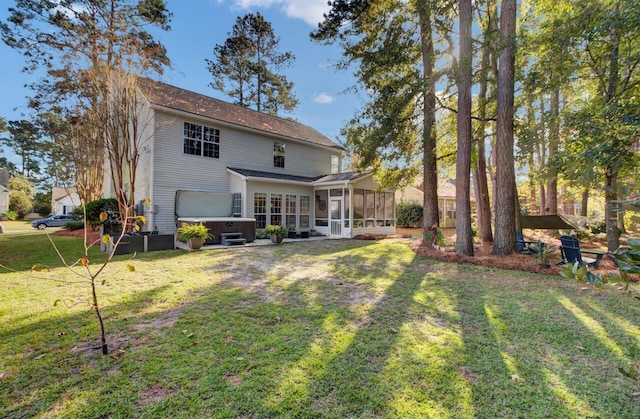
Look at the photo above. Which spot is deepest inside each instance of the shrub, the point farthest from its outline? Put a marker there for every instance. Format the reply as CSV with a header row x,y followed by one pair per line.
x,y
74,225
108,205
408,214
20,203
12,215
42,204
597,227
187,231
277,230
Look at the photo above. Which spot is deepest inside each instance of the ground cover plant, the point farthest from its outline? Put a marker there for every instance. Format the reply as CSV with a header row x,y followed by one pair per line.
x,y
339,328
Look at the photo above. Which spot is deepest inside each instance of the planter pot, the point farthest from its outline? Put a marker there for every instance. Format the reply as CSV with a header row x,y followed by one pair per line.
x,y
195,243
276,239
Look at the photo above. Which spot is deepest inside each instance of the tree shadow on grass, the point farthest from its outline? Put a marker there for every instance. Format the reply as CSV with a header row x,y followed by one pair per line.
x,y
526,355
382,333
375,358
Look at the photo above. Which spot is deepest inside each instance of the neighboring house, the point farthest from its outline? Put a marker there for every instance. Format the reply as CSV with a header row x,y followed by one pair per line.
x,y
274,170
446,200
64,200
4,191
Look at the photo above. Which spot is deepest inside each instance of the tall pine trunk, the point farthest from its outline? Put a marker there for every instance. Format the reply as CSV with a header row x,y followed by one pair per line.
x,y
430,170
483,209
584,202
464,236
610,213
554,137
504,241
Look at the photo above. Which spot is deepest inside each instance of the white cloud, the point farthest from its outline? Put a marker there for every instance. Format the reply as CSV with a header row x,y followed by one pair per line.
x,y
308,10
324,98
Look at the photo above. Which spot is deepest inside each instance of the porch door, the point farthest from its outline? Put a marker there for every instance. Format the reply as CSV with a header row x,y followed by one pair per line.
x,y
335,217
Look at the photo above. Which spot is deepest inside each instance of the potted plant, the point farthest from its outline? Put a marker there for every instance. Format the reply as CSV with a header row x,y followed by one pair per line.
x,y
541,253
276,233
194,234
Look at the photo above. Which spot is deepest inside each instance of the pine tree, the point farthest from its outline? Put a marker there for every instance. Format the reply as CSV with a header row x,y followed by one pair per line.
x,y
245,67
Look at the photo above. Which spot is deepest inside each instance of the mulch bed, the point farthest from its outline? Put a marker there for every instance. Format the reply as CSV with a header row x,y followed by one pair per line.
x,y
515,261
93,237
482,254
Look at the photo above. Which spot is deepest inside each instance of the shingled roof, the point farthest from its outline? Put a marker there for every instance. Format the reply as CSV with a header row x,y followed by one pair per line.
x,y
338,177
167,96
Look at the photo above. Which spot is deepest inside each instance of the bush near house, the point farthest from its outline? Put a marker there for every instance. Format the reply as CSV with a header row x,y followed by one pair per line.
x,y
20,203
408,214
74,225
94,208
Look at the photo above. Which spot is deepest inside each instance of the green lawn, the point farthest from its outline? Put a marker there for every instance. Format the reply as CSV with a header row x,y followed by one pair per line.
x,y
13,226
322,329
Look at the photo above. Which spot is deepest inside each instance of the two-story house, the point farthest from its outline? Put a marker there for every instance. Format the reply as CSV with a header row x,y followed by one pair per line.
x,y
253,165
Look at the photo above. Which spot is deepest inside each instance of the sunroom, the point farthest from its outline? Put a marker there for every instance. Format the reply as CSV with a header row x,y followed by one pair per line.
x,y
342,205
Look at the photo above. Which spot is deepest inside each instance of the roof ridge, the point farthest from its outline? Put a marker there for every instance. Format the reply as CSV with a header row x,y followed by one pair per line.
x,y
244,108
177,98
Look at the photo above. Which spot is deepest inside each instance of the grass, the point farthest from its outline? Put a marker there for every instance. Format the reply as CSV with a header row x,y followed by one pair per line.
x,y
311,329
13,226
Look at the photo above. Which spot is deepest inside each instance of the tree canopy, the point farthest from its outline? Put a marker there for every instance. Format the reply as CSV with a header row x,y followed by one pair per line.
x,y
245,67
80,44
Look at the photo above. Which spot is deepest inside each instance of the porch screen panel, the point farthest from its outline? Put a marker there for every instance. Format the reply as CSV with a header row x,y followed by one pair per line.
x,y
380,209
276,209
389,206
347,208
358,207
370,207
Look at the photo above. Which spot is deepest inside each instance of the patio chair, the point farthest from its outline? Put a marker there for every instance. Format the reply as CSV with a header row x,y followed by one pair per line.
x,y
571,252
525,247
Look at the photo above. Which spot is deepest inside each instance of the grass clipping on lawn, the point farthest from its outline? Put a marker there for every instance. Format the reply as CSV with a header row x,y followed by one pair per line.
x,y
334,328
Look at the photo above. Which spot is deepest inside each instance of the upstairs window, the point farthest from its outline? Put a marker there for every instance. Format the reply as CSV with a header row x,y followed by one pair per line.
x,y
278,154
335,165
200,140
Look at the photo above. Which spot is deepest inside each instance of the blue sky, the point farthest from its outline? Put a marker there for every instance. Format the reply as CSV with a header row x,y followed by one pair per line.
x,y
197,26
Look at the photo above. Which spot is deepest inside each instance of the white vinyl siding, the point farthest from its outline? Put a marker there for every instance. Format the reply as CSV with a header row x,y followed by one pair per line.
x,y
238,149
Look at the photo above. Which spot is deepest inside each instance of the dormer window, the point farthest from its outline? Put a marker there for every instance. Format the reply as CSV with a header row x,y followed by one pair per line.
x,y
278,154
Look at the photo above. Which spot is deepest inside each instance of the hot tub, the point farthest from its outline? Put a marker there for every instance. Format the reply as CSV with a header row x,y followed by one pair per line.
x,y
219,225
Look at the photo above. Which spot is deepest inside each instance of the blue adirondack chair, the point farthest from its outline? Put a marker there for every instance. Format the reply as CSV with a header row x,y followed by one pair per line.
x,y
571,252
524,246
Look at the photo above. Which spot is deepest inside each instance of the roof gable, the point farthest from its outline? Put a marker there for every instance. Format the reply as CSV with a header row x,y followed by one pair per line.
x,y
58,193
167,96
